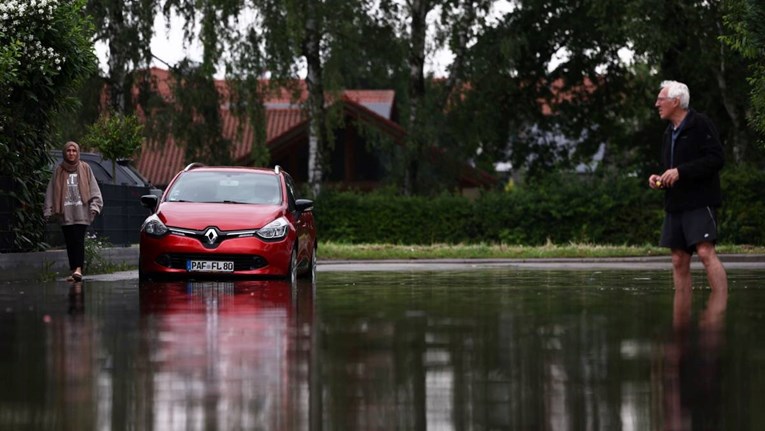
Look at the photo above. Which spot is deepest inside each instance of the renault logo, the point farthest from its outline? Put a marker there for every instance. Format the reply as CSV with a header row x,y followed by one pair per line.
x,y
211,235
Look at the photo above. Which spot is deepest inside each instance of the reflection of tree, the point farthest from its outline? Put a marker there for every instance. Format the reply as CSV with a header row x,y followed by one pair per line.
x,y
520,362
692,380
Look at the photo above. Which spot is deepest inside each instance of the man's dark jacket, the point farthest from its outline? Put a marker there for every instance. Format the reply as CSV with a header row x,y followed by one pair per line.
x,y
698,159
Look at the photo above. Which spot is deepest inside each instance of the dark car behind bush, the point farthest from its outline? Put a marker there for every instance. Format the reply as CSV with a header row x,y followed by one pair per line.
x,y
122,216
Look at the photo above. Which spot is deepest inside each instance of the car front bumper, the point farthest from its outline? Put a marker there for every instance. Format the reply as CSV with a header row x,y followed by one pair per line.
x,y
251,256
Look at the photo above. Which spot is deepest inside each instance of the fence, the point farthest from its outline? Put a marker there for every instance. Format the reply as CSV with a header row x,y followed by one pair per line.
x,y
6,214
119,222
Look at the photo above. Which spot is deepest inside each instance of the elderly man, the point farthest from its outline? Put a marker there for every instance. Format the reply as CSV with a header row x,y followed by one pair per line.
x,y
692,157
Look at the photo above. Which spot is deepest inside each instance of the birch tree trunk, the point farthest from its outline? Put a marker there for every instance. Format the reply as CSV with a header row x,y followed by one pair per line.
x,y
117,61
317,114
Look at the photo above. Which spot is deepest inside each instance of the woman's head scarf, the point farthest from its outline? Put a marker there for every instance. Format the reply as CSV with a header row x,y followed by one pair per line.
x,y
62,172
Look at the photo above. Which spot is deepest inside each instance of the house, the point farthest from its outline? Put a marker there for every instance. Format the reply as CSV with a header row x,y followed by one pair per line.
x,y
354,162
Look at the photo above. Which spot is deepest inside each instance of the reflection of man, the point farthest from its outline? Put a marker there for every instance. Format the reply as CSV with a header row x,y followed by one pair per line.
x,y
692,157
692,380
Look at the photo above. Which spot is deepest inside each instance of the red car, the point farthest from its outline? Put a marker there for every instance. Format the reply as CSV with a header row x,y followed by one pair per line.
x,y
235,221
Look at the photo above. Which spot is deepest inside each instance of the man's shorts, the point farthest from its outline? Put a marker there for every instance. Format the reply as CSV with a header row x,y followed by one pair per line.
x,y
685,229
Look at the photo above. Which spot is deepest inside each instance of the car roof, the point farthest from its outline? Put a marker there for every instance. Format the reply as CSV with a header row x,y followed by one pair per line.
x,y
227,169
102,170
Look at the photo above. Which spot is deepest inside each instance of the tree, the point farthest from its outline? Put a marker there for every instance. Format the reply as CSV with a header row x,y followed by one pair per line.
x,y
285,34
714,73
45,53
542,86
744,19
126,27
190,115
548,84
458,23
116,137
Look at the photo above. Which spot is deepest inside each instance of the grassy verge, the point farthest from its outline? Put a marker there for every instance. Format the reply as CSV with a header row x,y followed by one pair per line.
x,y
339,251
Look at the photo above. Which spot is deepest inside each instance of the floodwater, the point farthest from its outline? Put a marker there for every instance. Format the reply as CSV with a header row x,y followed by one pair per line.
x,y
497,348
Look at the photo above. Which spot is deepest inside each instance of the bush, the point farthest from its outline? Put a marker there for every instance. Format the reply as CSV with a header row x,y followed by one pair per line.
x,y
45,52
562,208
741,216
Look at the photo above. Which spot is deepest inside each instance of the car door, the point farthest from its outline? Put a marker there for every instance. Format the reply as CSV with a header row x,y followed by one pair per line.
x,y
303,223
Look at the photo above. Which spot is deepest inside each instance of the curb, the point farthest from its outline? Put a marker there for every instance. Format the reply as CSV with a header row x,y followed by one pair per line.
x,y
41,265
51,264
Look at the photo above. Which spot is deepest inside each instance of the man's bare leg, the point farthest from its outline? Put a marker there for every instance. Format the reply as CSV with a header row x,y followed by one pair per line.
x,y
716,275
681,269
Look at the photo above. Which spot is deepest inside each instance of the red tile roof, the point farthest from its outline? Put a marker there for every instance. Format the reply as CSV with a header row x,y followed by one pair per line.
x,y
160,162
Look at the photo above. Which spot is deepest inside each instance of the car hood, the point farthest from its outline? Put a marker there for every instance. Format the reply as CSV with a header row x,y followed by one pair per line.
x,y
198,216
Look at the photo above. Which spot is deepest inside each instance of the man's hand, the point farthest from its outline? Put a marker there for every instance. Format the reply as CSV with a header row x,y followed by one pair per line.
x,y
654,182
669,177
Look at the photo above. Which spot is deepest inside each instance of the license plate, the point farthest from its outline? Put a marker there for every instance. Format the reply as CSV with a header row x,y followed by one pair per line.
x,y
209,266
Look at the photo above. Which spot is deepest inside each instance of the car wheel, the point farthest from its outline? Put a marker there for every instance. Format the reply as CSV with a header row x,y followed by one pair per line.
x,y
312,269
293,269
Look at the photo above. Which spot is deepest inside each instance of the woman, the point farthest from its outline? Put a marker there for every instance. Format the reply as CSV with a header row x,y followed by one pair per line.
x,y
73,197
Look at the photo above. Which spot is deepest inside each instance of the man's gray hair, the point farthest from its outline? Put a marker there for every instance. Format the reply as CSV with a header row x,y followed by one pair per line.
x,y
677,90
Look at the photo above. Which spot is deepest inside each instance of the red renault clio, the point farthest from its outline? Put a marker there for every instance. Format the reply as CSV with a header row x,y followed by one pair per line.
x,y
237,221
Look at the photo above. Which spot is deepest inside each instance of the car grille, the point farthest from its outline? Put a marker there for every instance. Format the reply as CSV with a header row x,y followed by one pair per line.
x,y
242,262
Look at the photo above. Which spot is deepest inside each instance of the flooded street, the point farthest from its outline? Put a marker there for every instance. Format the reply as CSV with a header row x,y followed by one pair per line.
x,y
488,348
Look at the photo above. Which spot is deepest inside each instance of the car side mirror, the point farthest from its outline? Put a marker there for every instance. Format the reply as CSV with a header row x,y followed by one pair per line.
x,y
304,205
149,201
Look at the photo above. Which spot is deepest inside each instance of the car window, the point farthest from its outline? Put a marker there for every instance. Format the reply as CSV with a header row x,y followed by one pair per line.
x,y
102,176
291,195
233,187
134,175
121,172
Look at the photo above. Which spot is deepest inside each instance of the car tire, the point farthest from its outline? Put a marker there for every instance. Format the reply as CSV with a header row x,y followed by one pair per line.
x,y
142,275
292,271
312,268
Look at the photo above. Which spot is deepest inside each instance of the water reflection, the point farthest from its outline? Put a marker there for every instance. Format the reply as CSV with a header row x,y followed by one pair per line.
x,y
692,367
227,355
76,298
500,349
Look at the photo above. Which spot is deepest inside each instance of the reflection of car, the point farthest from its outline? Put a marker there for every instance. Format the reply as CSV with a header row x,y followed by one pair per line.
x,y
228,221
233,341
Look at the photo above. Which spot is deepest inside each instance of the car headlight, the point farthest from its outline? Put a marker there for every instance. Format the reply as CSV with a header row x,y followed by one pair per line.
x,y
277,229
154,226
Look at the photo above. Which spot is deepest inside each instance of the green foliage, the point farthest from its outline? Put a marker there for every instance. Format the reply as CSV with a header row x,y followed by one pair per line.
x,y
191,116
741,216
401,220
565,208
516,89
95,261
744,19
45,52
116,137
561,209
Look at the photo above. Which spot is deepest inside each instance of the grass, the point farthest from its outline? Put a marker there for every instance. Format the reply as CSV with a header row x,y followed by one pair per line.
x,y
342,251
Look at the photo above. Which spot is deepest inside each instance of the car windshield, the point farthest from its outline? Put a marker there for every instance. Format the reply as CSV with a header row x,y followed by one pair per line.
x,y
226,187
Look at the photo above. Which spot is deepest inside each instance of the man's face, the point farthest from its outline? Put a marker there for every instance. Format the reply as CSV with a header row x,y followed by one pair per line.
x,y
665,105
71,154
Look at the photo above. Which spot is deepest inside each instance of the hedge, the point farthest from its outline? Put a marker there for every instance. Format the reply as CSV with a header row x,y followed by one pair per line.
x,y
563,208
